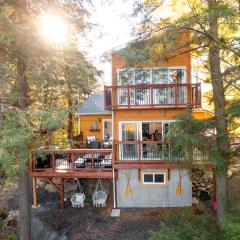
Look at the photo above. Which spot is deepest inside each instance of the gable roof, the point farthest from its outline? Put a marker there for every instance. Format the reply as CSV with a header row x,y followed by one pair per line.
x,y
93,105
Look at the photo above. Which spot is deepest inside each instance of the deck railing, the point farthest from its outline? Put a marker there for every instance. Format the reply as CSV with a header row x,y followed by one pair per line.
x,y
71,160
153,95
154,151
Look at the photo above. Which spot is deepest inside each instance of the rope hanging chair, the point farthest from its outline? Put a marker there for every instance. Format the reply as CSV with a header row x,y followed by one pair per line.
x,y
100,196
78,198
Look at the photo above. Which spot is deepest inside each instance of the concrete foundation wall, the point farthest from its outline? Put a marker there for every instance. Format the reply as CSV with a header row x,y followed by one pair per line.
x,y
154,196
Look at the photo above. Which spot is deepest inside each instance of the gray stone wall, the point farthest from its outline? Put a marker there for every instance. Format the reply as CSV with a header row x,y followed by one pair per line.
x,y
154,196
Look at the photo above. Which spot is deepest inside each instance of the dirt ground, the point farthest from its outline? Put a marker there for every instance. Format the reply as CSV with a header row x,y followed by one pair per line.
x,y
92,223
89,223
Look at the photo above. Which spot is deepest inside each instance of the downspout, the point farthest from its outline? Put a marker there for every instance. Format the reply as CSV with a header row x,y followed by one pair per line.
x,y
113,156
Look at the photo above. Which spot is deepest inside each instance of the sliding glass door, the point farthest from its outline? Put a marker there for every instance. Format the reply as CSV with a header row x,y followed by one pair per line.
x,y
146,135
129,132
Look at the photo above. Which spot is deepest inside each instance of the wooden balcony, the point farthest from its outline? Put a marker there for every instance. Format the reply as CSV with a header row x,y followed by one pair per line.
x,y
153,154
72,163
153,96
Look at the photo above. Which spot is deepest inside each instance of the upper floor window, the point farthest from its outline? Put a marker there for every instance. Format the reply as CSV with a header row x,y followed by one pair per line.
x,y
137,76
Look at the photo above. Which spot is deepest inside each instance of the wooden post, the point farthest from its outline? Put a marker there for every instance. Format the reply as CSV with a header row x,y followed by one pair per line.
x,y
62,195
34,183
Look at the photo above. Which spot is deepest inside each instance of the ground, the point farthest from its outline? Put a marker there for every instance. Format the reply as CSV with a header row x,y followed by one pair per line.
x,y
90,223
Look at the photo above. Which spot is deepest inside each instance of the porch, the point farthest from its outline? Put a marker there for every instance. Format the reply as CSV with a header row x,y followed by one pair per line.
x,y
71,163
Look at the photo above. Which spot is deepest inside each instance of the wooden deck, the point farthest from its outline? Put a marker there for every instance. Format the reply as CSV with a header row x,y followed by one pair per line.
x,y
72,163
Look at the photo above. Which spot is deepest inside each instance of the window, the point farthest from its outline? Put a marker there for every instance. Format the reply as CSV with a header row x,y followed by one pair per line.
x,y
136,76
107,129
153,178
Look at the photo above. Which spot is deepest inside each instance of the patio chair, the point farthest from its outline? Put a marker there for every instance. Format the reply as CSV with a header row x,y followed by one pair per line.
x,y
108,143
90,139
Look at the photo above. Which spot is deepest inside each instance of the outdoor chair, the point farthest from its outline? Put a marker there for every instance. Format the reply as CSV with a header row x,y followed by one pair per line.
x,y
90,139
108,143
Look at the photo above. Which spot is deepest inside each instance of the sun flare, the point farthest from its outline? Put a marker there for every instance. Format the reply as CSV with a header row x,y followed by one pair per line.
x,y
54,29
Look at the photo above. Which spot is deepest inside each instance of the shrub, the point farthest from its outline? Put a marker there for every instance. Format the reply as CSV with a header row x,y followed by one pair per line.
x,y
230,225
186,226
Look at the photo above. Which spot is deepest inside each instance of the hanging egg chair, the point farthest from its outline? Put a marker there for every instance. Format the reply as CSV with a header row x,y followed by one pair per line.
x,y
100,196
78,198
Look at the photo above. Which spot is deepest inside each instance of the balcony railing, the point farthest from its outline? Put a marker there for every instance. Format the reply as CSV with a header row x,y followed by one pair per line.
x,y
145,151
70,160
152,95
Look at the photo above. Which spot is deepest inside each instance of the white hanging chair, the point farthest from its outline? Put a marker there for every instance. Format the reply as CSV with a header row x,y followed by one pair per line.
x,y
100,196
78,198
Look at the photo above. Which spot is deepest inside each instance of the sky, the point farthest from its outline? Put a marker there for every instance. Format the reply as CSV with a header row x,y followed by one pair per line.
x,y
112,27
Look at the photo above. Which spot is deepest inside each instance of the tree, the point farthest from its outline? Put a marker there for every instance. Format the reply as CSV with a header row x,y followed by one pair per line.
x,y
213,26
25,63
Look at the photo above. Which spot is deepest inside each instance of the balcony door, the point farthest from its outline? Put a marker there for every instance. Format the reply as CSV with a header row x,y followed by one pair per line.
x,y
150,134
129,132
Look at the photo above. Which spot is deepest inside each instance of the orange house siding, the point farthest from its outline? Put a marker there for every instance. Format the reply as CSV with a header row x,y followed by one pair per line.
x,y
86,123
143,115
184,59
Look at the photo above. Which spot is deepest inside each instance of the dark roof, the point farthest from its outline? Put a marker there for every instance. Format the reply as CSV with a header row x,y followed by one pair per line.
x,y
93,105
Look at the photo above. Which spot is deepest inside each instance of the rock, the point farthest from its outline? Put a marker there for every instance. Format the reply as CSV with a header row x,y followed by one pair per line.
x,y
3,215
41,183
56,180
230,173
12,219
50,188
234,170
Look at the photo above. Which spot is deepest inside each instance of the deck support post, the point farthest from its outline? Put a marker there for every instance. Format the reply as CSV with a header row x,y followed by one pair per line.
x,y
34,184
62,195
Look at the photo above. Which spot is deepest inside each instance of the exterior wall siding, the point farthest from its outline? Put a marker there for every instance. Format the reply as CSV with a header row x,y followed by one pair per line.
x,y
154,196
86,122
174,60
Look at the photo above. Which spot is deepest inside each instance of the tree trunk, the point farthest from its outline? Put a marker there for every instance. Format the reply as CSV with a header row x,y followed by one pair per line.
x,y
219,105
24,183
70,120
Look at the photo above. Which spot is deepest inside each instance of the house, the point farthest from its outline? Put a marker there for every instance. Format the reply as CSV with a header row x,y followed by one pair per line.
x,y
93,119
137,112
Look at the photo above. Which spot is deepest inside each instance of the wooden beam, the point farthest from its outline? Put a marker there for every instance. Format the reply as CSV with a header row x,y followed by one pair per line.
x,y
34,183
74,174
62,195
54,184
161,165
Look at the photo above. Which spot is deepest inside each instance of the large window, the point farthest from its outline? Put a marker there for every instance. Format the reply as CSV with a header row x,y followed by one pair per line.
x,y
136,76
139,95
150,134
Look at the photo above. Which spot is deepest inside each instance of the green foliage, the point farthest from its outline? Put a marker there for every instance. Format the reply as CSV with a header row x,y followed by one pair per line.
x,y
192,139
186,226
230,225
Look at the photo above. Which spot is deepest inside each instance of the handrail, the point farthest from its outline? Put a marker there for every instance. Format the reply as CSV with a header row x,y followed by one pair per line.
x,y
57,160
173,95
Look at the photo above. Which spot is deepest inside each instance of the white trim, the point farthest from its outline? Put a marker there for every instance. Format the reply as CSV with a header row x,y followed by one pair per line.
x,y
106,120
79,127
145,121
96,113
151,68
154,183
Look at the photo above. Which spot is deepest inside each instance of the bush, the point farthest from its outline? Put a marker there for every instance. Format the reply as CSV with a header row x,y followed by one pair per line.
x,y
230,226
186,226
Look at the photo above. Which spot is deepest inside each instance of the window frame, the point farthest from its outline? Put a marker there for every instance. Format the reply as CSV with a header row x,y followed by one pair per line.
x,y
154,183
168,69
